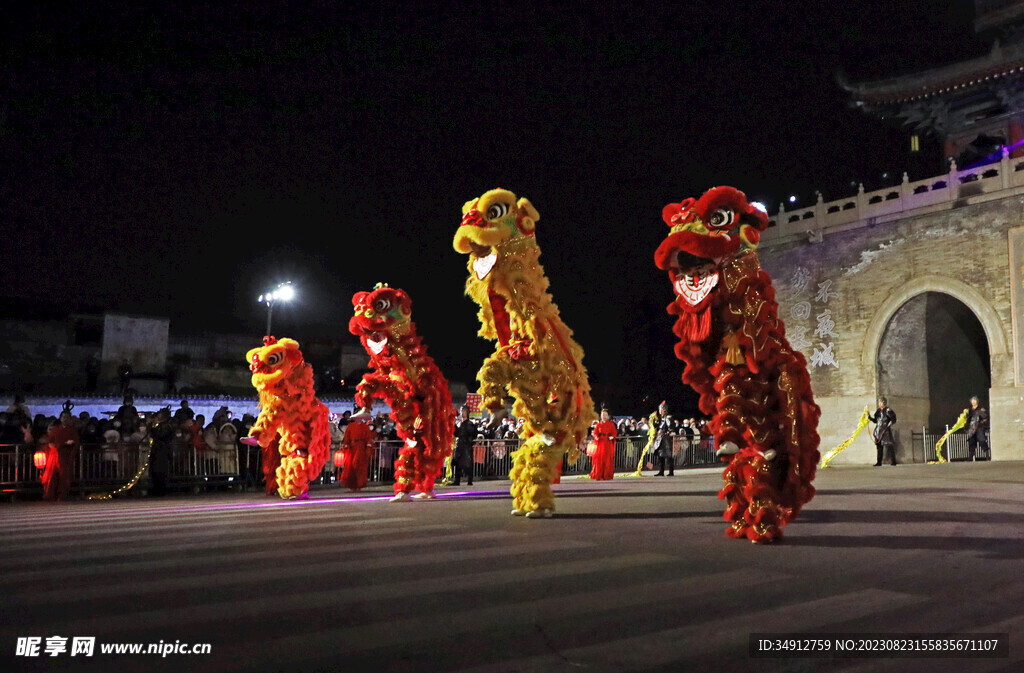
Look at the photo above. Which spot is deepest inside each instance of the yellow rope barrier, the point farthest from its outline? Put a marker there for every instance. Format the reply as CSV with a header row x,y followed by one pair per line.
x,y
960,422
127,487
861,424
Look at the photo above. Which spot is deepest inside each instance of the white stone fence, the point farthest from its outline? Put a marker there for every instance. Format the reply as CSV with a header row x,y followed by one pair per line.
x,y
890,203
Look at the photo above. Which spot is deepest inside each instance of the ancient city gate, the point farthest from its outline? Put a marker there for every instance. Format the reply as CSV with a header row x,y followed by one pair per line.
x,y
914,292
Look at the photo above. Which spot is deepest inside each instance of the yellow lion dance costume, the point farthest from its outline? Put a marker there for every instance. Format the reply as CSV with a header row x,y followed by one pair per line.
x,y
536,361
292,428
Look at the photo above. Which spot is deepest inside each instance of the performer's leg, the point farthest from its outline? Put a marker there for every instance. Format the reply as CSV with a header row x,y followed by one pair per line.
x,y
878,451
661,466
293,476
427,471
271,457
892,453
972,446
405,471
361,466
49,477
752,510
533,470
671,465
67,467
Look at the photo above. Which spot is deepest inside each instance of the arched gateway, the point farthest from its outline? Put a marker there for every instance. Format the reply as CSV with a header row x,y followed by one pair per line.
x,y
933,355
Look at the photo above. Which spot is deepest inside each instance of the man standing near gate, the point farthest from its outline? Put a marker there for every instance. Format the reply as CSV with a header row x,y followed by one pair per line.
x,y
884,418
977,428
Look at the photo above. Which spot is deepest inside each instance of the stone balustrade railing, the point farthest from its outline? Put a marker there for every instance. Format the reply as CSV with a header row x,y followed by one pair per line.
x,y
892,203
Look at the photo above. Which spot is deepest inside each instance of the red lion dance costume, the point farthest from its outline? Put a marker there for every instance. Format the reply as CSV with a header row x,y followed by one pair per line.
x,y
409,381
292,428
739,361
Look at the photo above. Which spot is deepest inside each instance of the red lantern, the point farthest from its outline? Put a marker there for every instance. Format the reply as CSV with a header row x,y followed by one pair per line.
x,y
339,458
39,459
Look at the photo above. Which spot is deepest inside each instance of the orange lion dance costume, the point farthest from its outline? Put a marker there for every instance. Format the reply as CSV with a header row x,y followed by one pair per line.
x,y
536,361
739,361
409,381
292,420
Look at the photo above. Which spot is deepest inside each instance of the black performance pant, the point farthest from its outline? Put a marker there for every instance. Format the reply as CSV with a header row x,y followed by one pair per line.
x,y
662,459
972,445
463,469
886,448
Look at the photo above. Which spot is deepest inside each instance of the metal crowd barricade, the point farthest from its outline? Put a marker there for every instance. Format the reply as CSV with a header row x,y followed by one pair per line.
x,y
956,448
17,470
103,466
217,464
228,464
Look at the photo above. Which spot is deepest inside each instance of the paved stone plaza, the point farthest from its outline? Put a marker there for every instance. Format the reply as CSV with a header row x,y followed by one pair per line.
x,y
634,574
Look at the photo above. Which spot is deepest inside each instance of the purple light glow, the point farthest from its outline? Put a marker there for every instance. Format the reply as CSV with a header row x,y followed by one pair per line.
x,y
995,156
317,501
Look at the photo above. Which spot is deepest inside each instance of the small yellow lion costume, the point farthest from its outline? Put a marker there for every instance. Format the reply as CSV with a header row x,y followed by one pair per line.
x,y
292,420
537,361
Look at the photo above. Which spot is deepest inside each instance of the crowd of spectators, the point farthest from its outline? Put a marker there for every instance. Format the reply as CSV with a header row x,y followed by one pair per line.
x,y
126,425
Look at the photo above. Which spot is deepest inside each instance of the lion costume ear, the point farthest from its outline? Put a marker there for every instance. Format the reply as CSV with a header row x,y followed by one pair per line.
x,y
527,207
289,344
528,217
468,204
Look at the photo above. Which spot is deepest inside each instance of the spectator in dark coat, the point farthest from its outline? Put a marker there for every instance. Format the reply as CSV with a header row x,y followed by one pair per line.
x,y
884,418
184,413
977,428
162,432
462,459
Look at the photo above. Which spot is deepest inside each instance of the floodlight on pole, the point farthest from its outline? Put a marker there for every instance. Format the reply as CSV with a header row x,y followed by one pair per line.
x,y
283,292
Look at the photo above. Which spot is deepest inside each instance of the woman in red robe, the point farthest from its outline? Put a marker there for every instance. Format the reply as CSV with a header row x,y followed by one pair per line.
x,y
63,442
356,455
604,453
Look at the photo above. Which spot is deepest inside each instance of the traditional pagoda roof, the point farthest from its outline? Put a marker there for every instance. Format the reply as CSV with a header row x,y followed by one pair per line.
x,y
1001,62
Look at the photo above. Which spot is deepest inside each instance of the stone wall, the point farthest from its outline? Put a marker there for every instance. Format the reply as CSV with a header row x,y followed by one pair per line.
x,y
837,297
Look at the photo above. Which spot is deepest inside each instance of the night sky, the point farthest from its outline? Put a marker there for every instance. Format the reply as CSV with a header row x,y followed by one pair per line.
x,y
178,161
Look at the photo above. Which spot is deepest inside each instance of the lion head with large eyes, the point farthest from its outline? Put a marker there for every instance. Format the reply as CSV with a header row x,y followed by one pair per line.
x,y
704,232
380,316
274,362
488,223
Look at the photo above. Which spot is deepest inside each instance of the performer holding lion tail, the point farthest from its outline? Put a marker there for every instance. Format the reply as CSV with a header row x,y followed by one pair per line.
x,y
293,426
536,360
410,382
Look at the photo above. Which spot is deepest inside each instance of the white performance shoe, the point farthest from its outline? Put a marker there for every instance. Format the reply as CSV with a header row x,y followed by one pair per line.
x,y
400,497
518,512
539,514
428,495
727,449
